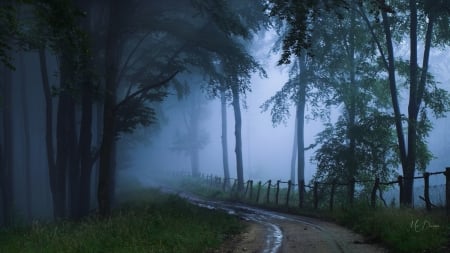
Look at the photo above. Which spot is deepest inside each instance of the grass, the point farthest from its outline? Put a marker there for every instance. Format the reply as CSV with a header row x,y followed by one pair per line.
x,y
401,230
161,223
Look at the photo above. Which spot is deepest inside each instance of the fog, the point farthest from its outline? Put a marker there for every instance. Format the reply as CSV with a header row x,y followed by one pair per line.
x,y
130,93
267,149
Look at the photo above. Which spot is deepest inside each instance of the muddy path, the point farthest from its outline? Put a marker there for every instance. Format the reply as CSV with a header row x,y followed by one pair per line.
x,y
273,232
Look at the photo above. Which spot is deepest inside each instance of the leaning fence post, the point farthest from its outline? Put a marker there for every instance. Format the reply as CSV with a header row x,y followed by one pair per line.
x,y
288,193
426,190
269,184
259,190
447,190
373,196
400,186
278,191
316,197
333,186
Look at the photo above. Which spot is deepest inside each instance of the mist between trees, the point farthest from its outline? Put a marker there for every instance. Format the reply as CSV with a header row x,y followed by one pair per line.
x,y
100,96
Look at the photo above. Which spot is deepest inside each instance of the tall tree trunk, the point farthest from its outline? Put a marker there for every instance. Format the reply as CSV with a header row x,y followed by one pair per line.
x,y
26,130
394,96
351,104
86,159
294,151
66,152
49,128
6,160
300,115
238,135
413,111
194,152
106,168
223,107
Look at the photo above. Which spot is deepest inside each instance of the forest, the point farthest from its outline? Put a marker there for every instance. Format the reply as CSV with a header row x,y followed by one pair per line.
x,y
83,80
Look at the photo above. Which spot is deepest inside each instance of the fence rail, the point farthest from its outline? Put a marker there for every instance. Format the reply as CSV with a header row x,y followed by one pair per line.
x,y
273,190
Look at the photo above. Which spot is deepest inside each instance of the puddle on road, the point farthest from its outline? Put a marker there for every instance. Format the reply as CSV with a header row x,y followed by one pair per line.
x,y
274,237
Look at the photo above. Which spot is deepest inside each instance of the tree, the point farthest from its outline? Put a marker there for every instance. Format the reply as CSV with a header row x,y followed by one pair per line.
x,y
194,138
6,147
422,19
354,77
183,48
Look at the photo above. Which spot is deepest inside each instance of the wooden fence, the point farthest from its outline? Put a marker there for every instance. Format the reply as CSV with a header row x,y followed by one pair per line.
x,y
270,191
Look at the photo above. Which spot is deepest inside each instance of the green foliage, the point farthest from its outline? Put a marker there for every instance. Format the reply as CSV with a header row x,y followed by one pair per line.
x,y
375,149
155,223
133,114
298,16
8,30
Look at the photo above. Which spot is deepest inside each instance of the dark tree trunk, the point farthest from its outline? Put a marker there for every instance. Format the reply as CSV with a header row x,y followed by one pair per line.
x,y
408,155
223,106
86,159
413,111
49,127
194,137
300,116
106,167
65,134
294,151
26,130
301,141
6,159
351,104
238,135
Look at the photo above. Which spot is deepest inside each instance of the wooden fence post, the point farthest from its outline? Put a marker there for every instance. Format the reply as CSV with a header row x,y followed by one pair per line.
x,y
373,196
224,186
400,186
288,193
316,196
269,184
259,190
233,188
251,189
278,191
447,190
426,190
301,193
351,191
246,188
333,186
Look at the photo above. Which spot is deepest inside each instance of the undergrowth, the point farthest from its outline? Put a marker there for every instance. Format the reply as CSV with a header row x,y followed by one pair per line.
x,y
401,230
148,221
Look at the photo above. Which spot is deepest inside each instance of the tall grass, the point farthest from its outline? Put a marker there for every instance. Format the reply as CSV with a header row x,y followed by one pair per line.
x,y
161,223
401,230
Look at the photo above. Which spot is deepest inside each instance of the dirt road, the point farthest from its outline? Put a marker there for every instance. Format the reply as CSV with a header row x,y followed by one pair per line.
x,y
273,232
313,236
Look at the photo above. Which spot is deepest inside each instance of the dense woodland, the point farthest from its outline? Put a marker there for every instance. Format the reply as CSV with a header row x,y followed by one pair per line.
x,y
78,76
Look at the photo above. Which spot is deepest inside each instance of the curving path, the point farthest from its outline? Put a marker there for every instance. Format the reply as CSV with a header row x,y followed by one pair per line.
x,y
273,232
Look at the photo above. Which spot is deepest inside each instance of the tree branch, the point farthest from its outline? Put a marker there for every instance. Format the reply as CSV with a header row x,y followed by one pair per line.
x,y
145,89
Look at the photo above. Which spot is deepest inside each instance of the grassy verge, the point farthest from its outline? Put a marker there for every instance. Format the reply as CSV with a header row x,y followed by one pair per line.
x,y
161,223
400,230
